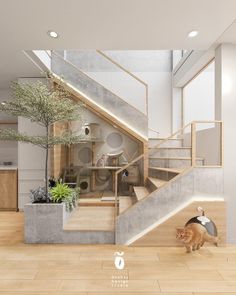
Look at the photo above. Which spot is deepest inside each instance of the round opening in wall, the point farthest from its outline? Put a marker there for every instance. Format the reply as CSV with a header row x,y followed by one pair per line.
x,y
114,140
84,185
86,131
85,155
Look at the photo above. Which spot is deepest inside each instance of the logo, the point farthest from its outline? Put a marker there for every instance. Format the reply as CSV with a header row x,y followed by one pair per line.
x,y
119,260
120,277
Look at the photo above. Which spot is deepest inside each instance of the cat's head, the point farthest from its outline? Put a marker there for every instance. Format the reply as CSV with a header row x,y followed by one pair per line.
x,y
180,234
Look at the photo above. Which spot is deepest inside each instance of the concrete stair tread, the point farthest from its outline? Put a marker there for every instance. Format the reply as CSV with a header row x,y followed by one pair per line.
x,y
157,182
171,147
140,192
175,158
96,202
171,170
160,138
125,202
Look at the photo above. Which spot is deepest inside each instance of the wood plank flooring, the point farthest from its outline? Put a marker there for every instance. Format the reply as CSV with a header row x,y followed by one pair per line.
x,y
89,269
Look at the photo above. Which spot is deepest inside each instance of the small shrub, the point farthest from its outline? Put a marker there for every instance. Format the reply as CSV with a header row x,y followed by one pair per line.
x,y
39,195
61,192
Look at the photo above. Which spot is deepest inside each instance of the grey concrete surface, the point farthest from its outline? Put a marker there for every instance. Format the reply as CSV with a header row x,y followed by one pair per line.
x,y
44,224
202,182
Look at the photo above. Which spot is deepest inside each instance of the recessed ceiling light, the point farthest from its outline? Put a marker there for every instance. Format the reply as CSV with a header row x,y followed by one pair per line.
x,y
192,34
53,34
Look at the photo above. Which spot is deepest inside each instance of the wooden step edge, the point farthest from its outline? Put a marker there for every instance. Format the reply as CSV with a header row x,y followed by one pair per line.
x,y
171,148
176,158
171,170
155,180
159,138
97,204
141,192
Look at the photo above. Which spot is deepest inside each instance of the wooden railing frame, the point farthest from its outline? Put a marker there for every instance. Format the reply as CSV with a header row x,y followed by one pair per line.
x,y
155,131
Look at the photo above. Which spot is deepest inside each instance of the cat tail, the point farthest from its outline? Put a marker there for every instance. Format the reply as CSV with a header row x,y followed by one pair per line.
x,y
200,209
211,239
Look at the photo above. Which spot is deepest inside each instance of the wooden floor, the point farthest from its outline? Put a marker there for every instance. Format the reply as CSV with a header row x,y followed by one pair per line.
x,y
89,270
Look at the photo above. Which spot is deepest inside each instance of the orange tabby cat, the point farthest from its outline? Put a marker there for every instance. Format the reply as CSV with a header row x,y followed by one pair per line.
x,y
194,235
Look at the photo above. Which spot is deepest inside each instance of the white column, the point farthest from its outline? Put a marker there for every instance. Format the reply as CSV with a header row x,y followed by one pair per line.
x,y
31,159
225,109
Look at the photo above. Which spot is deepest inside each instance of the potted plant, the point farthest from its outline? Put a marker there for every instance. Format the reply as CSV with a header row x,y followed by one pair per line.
x,y
61,192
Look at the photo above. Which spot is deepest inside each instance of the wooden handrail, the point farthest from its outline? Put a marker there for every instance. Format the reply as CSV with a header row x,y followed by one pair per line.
x,y
172,135
206,121
121,67
155,131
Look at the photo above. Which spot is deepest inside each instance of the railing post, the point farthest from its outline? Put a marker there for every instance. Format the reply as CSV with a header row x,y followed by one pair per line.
x,y
116,194
146,100
221,144
193,144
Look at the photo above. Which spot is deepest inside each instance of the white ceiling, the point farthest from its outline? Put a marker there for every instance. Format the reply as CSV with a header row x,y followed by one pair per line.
x,y
229,36
106,24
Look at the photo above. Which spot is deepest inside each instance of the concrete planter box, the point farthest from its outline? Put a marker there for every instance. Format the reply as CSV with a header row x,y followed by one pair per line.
x,y
44,223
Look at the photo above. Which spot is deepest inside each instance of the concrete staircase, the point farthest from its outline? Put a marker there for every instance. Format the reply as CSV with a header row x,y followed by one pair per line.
x,y
165,163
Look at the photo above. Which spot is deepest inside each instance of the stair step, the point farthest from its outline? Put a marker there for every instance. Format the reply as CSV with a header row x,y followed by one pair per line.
x,y
171,147
175,158
171,170
161,138
169,143
157,182
140,192
125,203
95,202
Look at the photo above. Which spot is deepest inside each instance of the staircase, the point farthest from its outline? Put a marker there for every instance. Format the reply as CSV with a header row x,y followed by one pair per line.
x,y
175,173
166,161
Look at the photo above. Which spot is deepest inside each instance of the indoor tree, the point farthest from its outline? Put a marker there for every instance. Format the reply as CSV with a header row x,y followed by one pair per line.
x,y
44,104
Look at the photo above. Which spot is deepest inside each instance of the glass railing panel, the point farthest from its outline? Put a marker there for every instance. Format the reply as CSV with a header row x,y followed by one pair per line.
x,y
129,176
208,144
104,98
108,74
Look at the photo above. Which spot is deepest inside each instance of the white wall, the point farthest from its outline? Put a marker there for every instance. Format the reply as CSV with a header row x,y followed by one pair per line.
x,y
226,110
8,149
199,97
177,109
